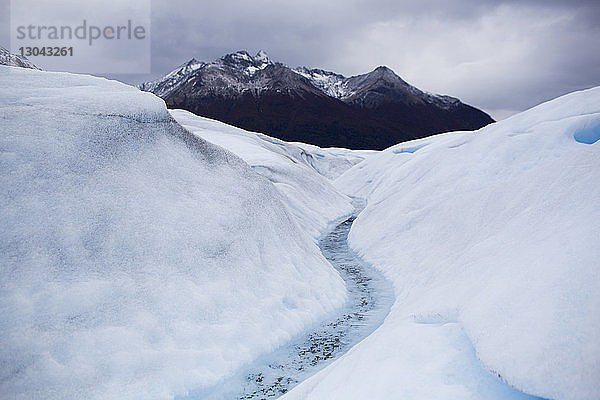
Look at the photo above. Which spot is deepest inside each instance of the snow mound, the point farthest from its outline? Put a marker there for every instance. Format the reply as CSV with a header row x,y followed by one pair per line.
x,y
136,259
491,240
299,172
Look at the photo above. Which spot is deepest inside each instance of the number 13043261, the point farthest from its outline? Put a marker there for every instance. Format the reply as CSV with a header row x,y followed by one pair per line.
x,y
46,51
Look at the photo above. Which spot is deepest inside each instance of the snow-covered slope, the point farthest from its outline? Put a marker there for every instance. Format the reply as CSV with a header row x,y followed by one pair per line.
x,y
173,79
229,75
332,83
491,239
7,58
136,260
374,88
329,162
299,172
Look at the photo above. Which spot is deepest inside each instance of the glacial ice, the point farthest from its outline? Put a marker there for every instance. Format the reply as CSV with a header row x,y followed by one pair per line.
x,y
137,260
491,240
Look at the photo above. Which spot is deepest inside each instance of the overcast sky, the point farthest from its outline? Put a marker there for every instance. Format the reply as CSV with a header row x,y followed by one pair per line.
x,y
501,56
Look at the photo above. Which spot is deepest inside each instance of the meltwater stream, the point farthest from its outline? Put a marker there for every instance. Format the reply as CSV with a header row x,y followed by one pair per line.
x,y
370,297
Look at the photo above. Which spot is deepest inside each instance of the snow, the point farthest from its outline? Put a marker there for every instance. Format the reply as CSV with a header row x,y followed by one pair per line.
x,y
408,149
137,260
330,162
491,241
334,85
251,70
243,55
164,85
221,75
262,57
370,296
142,260
300,172
6,58
343,88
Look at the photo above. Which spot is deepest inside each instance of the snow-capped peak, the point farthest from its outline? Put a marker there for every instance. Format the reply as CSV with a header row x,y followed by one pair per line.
x,y
241,55
186,68
242,60
384,72
240,71
261,61
262,57
167,83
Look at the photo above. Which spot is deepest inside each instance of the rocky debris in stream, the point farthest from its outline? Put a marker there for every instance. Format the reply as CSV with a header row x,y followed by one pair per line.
x,y
332,339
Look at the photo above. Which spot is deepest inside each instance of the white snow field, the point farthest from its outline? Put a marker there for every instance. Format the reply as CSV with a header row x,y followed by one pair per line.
x,y
138,261
491,239
299,171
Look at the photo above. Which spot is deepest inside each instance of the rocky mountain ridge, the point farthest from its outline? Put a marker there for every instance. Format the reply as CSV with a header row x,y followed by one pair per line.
x,y
373,110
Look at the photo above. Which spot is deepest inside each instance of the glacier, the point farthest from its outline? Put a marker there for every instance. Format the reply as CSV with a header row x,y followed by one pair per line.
x,y
152,253
137,260
491,240
302,173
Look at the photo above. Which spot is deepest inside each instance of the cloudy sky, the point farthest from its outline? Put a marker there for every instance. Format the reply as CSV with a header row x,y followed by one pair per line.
x,y
502,56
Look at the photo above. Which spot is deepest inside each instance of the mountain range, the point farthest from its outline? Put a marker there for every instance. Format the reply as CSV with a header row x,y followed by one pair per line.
x,y
369,111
